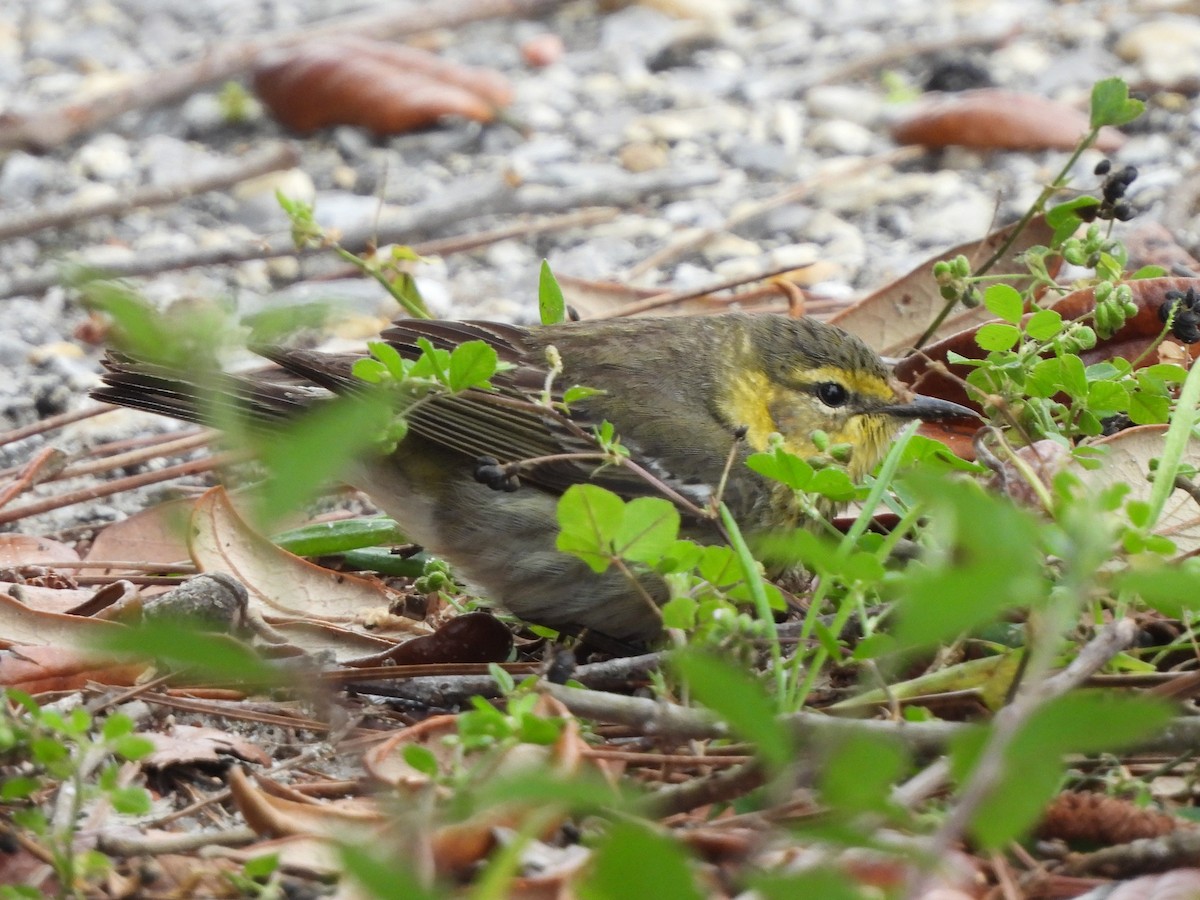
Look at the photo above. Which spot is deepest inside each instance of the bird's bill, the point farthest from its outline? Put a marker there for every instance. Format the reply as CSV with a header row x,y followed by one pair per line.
x,y
930,409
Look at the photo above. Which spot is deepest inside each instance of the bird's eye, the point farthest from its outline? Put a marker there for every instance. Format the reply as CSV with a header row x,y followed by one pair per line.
x,y
832,394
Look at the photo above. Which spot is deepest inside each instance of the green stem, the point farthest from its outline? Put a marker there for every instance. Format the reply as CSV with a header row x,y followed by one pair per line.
x,y
1179,432
1035,208
762,606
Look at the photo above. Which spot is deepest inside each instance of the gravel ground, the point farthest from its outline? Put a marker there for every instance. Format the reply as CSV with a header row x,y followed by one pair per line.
x,y
735,102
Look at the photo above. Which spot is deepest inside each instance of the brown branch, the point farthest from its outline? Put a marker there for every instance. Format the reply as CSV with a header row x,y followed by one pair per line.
x,y
48,463
51,423
670,298
990,767
253,164
49,128
107,489
486,196
133,457
791,194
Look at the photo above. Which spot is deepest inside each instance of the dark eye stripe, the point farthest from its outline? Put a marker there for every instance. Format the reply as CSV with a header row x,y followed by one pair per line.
x,y
832,394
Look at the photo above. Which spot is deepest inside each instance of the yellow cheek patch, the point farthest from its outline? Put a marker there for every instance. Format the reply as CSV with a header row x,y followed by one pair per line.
x,y
748,403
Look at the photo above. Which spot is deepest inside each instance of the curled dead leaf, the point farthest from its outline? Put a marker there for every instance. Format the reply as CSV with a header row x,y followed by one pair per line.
x,y
385,88
455,848
221,541
1128,462
994,119
267,813
474,637
892,318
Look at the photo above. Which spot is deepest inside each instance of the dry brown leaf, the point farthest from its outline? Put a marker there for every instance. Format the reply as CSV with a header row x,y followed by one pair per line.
x,y
455,848
272,815
472,637
1180,884
189,744
21,625
37,670
23,550
154,535
892,318
385,88
221,541
303,854
317,636
1128,462
995,119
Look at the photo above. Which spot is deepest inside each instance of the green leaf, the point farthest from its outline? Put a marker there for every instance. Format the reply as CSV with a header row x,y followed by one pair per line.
x,y
636,857
997,336
834,484
1148,409
1004,302
739,700
649,528
1085,721
471,364
389,357
1067,214
180,643
18,787
260,868
431,364
859,773
384,878
970,577
680,612
1112,105
826,883
578,392
1173,590
115,726
588,520
1148,272
782,466
304,457
1105,398
133,746
130,801
422,759
1044,324
552,307
371,371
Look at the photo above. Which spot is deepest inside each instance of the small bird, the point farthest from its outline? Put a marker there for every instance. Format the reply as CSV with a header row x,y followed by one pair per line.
x,y
684,395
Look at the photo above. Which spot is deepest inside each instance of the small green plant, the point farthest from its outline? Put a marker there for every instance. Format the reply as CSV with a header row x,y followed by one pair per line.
x,y
392,269
44,752
236,103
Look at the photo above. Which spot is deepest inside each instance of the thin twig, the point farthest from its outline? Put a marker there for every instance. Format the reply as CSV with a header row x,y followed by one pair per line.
x,y
133,457
488,195
990,768
791,194
107,489
44,466
253,164
51,423
670,298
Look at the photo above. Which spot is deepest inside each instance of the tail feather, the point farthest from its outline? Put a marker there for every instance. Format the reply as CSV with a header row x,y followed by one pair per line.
x,y
265,398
